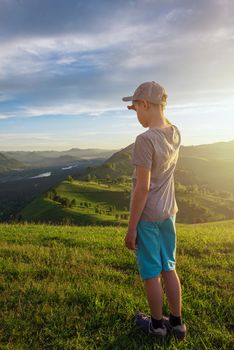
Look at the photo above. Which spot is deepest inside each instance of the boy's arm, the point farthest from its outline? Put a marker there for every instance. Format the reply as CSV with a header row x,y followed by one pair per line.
x,y
142,159
139,195
139,198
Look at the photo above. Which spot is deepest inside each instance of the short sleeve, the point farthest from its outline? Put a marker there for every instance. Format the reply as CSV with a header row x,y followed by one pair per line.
x,y
142,152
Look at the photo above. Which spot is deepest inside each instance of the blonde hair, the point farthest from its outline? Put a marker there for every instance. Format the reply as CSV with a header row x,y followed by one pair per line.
x,y
164,101
168,121
163,105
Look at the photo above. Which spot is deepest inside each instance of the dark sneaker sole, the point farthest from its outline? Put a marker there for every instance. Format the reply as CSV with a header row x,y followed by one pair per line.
x,y
180,335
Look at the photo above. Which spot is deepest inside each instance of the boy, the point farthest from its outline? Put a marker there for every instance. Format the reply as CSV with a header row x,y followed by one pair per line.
x,y
151,228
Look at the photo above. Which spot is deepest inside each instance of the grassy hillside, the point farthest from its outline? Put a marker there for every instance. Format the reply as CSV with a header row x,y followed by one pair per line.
x,y
65,287
217,150
197,167
119,164
108,204
96,203
217,173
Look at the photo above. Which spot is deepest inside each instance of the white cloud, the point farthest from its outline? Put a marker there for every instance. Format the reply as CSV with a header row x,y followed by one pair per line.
x,y
22,136
91,108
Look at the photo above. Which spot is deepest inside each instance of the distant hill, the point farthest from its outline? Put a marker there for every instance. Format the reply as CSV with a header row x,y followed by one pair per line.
x,y
8,163
217,174
212,151
77,153
39,159
119,164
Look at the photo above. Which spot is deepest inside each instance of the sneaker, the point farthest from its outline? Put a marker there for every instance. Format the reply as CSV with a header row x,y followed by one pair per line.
x,y
144,322
178,331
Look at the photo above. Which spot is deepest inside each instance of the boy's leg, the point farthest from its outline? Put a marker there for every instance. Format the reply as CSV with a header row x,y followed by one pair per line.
x,y
170,278
154,294
149,264
173,291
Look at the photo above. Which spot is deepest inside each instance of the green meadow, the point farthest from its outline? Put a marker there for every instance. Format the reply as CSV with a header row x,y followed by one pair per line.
x,y
68,287
95,203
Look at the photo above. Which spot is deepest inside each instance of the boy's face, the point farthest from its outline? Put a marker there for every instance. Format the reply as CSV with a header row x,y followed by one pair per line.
x,y
141,108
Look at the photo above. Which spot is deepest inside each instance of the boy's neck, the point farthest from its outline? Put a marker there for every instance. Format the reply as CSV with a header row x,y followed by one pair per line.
x,y
159,123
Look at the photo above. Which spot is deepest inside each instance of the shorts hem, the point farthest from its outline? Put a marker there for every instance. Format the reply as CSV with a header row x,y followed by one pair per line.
x,y
173,268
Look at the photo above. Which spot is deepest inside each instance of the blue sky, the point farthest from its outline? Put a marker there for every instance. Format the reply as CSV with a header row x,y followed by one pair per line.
x,y
65,66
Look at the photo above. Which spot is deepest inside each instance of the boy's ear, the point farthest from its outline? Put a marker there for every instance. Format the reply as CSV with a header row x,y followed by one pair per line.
x,y
146,104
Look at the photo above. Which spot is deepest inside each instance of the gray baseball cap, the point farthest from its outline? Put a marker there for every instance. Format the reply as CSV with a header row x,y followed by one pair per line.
x,y
150,91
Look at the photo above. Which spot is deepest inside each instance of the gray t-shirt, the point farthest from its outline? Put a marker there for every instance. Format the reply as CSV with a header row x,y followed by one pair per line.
x,y
158,149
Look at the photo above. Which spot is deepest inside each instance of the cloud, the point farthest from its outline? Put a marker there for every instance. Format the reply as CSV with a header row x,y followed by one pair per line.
x,y
62,109
80,58
92,110
23,136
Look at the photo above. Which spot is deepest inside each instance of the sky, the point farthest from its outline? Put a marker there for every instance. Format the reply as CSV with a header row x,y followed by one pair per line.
x,y
65,66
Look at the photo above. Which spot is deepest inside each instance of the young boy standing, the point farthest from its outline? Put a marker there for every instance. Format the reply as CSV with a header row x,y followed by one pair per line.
x,y
151,228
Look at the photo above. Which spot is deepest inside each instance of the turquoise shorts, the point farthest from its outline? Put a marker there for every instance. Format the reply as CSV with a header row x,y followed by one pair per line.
x,y
156,246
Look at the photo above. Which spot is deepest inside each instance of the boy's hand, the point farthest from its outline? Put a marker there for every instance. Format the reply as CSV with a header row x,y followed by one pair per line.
x,y
131,239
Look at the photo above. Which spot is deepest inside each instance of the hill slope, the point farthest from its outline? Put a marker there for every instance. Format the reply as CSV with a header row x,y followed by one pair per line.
x,y
108,204
94,204
196,165
71,288
217,150
8,163
37,159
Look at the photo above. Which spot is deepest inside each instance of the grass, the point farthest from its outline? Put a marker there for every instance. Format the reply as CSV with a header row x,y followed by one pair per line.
x,y
67,287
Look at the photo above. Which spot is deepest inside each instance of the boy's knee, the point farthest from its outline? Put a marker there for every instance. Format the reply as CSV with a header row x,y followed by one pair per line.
x,y
152,279
166,273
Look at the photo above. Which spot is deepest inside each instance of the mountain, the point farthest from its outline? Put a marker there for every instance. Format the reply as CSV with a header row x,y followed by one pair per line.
x,y
8,163
40,159
212,151
119,164
78,153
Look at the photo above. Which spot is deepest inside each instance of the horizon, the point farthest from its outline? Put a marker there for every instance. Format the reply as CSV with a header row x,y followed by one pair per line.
x,y
63,74
107,149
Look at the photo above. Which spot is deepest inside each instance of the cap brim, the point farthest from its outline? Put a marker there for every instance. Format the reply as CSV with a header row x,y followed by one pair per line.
x,y
128,98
